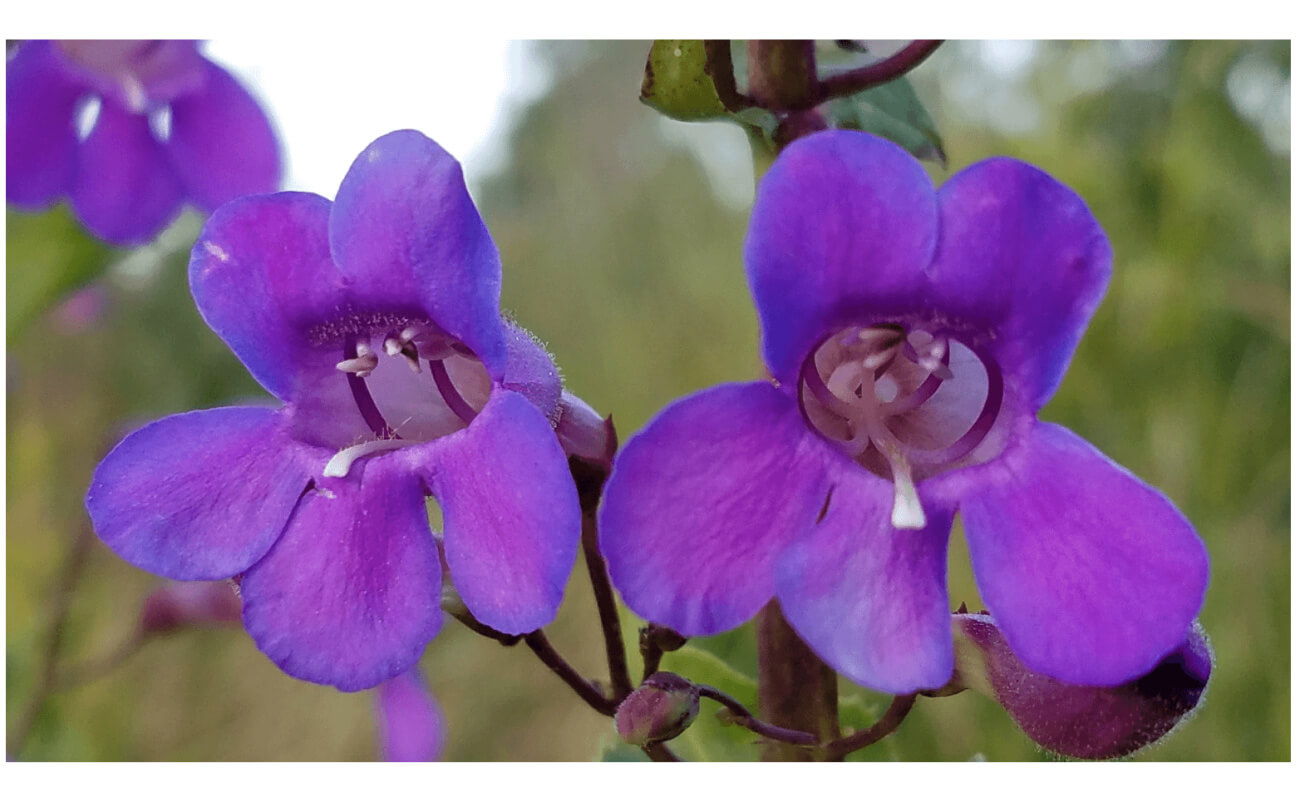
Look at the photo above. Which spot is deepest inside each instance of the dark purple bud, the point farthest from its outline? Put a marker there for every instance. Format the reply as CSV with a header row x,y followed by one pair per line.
x,y
660,709
584,433
1093,722
206,604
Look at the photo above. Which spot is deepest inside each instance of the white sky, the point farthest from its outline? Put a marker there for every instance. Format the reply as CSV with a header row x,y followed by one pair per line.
x,y
329,97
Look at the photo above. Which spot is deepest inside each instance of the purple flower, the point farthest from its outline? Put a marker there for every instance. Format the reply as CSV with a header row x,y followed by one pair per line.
x,y
169,127
913,336
375,320
411,727
1083,721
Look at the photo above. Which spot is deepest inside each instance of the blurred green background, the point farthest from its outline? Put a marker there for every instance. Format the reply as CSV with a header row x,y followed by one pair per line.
x,y
621,234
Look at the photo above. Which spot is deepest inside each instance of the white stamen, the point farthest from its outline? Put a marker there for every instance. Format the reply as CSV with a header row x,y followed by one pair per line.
x,y
919,338
364,363
877,358
412,359
408,334
907,513
392,346
341,463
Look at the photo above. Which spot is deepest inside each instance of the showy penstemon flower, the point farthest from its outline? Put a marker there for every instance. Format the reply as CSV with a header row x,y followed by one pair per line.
x,y
912,336
375,320
166,126
1083,721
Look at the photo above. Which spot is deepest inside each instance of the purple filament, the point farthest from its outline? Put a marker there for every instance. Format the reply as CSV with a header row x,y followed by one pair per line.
x,y
447,389
366,403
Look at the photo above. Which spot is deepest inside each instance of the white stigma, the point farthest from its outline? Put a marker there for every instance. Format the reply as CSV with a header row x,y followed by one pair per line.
x,y
907,513
341,463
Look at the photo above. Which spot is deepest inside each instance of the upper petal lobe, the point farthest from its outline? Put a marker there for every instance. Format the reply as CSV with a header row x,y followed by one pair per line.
x,y
349,596
1020,254
199,496
221,142
404,228
702,503
40,133
262,277
842,227
1092,575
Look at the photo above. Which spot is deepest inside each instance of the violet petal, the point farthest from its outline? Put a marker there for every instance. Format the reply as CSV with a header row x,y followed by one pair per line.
x,y
703,501
349,595
1020,253
411,726
40,131
1092,574
870,599
199,496
843,224
405,231
221,142
125,191
510,512
262,276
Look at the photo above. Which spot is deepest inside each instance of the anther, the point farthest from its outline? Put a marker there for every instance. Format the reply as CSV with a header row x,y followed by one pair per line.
x,y
362,365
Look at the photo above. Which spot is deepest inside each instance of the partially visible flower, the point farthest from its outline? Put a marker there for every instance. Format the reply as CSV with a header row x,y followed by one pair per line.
x,y
182,605
1083,721
80,311
584,434
661,708
411,726
913,335
375,320
169,126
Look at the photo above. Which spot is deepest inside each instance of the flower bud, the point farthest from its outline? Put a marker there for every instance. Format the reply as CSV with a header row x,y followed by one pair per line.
x,y
180,605
660,709
1093,722
584,433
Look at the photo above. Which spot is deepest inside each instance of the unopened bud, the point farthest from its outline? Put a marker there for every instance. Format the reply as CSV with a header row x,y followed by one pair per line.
x,y
585,434
660,709
1083,721
191,604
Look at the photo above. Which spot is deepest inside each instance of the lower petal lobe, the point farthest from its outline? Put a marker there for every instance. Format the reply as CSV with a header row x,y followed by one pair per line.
x,y
510,513
125,191
199,496
704,500
349,596
872,600
40,132
1092,575
221,142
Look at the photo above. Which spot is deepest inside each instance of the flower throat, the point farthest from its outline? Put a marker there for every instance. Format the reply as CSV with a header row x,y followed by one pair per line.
x,y
905,404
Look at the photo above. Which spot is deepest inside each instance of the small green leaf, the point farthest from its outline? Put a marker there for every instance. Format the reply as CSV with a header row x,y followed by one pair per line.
x,y
690,79
893,111
47,256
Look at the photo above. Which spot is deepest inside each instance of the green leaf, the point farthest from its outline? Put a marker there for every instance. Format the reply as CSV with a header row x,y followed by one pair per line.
x,y
892,111
690,79
47,256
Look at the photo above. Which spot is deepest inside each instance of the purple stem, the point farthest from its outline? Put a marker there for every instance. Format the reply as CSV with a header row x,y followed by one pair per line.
x,y
447,389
